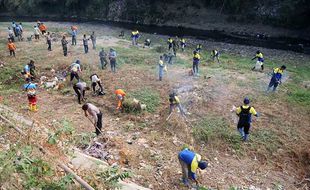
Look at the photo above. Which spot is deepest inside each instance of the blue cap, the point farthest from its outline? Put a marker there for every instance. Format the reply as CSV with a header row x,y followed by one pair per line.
x,y
202,165
246,101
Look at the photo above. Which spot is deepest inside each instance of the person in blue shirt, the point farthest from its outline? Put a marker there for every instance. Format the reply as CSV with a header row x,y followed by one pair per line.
x,y
276,78
190,162
30,88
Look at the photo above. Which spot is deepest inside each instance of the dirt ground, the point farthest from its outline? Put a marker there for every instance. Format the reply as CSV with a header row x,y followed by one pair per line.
x,y
148,142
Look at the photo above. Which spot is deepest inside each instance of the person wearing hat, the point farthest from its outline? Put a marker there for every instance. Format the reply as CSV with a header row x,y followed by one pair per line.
x,y
112,58
276,78
245,113
190,162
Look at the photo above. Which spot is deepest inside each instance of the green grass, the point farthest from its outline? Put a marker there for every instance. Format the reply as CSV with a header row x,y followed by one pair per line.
x,y
216,129
297,95
149,97
266,138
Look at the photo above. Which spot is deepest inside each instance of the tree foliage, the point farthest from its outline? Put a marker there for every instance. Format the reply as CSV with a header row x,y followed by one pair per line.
x,y
287,13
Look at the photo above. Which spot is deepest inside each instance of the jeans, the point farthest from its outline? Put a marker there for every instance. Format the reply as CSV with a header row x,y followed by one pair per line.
x,y
86,48
103,62
73,40
79,94
273,83
185,171
244,130
12,52
94,84
65,50
195,67
94,44
49,43
113,65
74,75
99,124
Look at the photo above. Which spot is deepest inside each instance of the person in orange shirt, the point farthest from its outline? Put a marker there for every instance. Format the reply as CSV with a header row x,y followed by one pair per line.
x,y
12,48
42,28
120,94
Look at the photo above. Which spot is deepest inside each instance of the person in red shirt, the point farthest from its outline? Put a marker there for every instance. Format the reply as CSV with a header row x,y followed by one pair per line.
x,y
12,48
120,94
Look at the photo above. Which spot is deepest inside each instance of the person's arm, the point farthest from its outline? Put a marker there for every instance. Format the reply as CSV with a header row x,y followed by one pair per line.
x,y
238,110
254,57
253,112
85,112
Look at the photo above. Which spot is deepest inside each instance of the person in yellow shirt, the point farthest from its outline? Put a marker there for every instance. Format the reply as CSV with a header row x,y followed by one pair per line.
x,y
276,78
196,61
161,67
183,43
190,163
260,60
175,102
135,36
170,43
215,55
245,113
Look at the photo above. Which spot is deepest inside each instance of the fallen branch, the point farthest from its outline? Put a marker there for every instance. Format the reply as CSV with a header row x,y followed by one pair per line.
x,y
60,164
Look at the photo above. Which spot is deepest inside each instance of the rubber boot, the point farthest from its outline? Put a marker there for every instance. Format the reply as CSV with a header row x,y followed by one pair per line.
x,y
241,132
30,107
246,137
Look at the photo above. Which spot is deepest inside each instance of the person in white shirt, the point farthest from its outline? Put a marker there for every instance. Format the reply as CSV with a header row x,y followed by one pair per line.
x,y
96,114
94,81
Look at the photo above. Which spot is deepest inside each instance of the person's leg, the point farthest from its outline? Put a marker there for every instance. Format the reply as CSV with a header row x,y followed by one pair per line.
x,y
271,84
218,60
11,52
197,68
93,84
246,131
105,62
181,110
14,53
94,44
101,62
65,51
100,86
76,75
262,67
77,91
84,48
274,86
99,124
83,93
71,77
171,107
72,40
194,69
240,129
184,171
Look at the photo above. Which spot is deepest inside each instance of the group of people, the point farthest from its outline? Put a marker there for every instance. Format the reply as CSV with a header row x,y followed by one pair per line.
x,y
16,30
189,160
